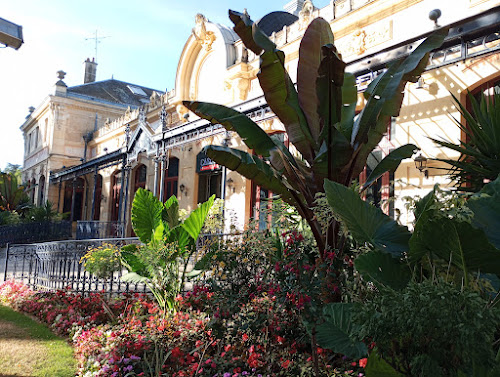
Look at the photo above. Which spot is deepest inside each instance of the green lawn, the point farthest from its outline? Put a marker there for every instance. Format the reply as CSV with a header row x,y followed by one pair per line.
x,y
28,348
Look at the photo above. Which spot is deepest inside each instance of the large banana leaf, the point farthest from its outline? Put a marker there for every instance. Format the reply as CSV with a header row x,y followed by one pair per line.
x,y
456,242
486,208
390,163
243,27
381,268
318,34
366,223
337,332
251,167
329,83
278,88
385,96
250,132
146,214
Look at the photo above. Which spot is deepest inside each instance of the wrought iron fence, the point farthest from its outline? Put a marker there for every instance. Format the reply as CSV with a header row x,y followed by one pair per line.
x,y
56,265
35,232
86,230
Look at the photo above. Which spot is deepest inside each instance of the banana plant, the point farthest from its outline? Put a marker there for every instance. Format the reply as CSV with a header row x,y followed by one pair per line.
x,y
168,243
318,116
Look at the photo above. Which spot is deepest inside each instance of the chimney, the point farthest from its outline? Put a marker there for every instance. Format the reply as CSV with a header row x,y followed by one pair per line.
x,y
90,71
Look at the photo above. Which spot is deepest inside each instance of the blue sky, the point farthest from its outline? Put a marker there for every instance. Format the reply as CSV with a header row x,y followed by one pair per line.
x,y
144,40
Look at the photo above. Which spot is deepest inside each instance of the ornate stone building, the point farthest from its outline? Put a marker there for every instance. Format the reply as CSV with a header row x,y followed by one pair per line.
x,y
156,144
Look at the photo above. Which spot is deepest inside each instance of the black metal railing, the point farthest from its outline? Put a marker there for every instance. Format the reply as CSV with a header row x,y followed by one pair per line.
x,y
56,265
86,230
35,232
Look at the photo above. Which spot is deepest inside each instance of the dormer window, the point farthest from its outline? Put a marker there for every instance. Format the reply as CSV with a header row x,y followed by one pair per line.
x,y
137,91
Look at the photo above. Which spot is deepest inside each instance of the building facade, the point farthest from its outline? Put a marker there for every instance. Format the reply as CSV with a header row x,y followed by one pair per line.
x,y
156,144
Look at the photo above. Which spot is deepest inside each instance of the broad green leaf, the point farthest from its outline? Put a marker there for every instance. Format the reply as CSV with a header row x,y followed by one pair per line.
x,y
329,84
455,242
486,208
378,367
194,223
382,268
366,223
251,167
390,163
282,98
181,237
171,212
146,214
131,262
249,131
132,277
336,333
349,99
341,154
318,34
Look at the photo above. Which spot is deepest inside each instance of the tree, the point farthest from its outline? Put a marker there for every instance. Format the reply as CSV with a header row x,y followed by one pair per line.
x,y
479,160
319,118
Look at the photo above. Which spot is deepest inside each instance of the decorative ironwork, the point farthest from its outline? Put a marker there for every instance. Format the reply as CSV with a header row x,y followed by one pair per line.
x,y
86,230
56,265
35,232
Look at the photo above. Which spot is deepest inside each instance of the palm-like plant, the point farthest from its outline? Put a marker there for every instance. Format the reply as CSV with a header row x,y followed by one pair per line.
x,y
12,194
319,118
479,160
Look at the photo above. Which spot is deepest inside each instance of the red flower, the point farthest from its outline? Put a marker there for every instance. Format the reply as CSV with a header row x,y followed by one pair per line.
x,y
286,364
244,337
363,362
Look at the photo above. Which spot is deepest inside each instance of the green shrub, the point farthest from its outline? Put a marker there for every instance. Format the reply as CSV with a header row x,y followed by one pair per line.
x,y
431,329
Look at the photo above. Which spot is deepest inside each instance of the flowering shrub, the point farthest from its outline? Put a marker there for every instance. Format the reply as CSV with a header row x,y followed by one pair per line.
x,y
129,336
102,261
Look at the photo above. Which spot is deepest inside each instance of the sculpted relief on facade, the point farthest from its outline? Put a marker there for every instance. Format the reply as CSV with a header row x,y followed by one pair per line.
x,y
362,40
203,36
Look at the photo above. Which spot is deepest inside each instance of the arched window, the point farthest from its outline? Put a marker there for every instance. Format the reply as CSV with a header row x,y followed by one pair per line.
x,y
140,177
41,191
116,185
171,178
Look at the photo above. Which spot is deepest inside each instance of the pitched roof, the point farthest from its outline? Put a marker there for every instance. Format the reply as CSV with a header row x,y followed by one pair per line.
x,y
113,91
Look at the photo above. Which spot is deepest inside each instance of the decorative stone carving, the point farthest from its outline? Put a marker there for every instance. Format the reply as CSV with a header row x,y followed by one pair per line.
x,y
360,41
204,37
305,15
142,116
128,114
245,76
181,111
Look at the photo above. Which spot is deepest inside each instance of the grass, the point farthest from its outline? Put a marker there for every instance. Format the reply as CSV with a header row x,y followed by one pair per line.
x,y
28,348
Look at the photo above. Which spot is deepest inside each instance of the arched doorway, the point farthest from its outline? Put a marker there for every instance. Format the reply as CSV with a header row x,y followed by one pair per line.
x,y
140,175
98,197
171,179
79,188
41,191
116,185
